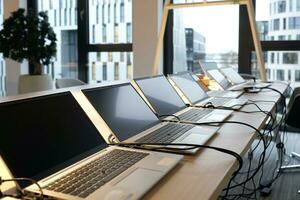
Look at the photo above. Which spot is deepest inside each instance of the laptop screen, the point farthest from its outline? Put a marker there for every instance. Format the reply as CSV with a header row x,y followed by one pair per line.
x,y
123,109
189,87
232,75
220,78
42,135
161,94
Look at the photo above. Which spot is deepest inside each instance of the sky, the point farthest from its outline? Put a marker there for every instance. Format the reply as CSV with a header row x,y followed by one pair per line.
x,y
219,24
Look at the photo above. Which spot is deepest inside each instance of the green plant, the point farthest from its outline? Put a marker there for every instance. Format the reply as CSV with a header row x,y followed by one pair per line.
x,y
28,37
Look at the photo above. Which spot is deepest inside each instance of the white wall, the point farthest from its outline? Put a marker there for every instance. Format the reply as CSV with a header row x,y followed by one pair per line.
x,y
146,25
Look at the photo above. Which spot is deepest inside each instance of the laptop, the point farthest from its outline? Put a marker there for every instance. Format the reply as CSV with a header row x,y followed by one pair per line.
x,y
237,79
51,140
185,85
129,119
166,102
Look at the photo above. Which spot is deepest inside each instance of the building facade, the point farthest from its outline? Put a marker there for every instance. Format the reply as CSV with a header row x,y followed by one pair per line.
x,y
284,24
110,21
195,49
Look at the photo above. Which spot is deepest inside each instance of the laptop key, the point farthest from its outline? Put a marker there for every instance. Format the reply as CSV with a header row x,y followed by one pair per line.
x,y
89,178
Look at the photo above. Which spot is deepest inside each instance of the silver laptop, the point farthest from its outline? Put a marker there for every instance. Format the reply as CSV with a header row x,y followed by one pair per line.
x,y
166,102
50,139
236,79
128,118
186,86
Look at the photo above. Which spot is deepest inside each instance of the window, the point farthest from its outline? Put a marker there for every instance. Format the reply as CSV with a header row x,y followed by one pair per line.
x,y
94,71
195,40
104,71
116,33
108,31
280,74
93,34
104,37
281,6
291,5
128,32
122,12
97,14
276,24
129,71
281,37
62,16
290,58
298,5
294,22
116,70
115,13
297,75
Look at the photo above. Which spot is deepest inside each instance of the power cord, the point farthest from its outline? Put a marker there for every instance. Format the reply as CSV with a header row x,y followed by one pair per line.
x,y
41,195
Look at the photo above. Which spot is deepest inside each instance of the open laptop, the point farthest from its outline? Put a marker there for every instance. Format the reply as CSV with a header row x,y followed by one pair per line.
x,y
236,79
165,102
50,139
129,119
185,85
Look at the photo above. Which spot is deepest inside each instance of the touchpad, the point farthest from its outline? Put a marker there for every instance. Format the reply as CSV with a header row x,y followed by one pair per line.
x,y
140,180
194,138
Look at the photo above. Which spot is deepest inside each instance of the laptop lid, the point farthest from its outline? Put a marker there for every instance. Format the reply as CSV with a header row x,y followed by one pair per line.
x,y
189,87
231,74
42,135
220,78
122,108
161,94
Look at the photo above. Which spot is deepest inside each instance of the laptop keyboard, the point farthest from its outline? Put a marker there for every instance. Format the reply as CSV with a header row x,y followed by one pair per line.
x,y
95,174
194,114
166,134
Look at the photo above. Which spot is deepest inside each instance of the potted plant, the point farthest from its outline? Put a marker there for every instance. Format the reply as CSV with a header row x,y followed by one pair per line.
x,y
29,36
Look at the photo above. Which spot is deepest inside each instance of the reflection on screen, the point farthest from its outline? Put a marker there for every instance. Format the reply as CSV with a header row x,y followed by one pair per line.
x,y
161,95
189,87
233,75
122,109
216,74
42,135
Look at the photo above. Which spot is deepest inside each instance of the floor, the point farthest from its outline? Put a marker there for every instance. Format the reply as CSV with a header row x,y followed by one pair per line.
x,y
286,186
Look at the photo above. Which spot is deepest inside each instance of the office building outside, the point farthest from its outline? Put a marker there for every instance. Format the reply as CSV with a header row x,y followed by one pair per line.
x,y
110,22
284,24
195,49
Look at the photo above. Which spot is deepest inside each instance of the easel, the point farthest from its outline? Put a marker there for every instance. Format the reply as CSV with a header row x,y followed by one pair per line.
x,y
250,9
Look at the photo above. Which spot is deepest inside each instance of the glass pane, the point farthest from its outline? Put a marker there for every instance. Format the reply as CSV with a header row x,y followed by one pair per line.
x,y
281,66
109,66
2,62
212,37
281,21
63,18
110,22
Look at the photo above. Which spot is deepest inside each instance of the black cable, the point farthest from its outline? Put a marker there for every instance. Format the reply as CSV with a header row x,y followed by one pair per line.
x,y
41,195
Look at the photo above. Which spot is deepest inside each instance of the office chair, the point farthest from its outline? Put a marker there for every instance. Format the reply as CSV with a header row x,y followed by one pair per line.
x,y
67,82
293,121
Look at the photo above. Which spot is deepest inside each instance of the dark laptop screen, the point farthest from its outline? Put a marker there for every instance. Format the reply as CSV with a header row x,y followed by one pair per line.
x,y
161,95
43,135
218,76
233,75
189,87
123,109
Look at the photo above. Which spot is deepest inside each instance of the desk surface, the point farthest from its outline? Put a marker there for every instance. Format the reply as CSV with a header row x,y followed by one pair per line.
x,y
205,175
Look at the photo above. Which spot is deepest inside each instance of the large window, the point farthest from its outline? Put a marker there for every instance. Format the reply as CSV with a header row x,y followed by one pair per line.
x,y
65,64
280,39
110,31
204,34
